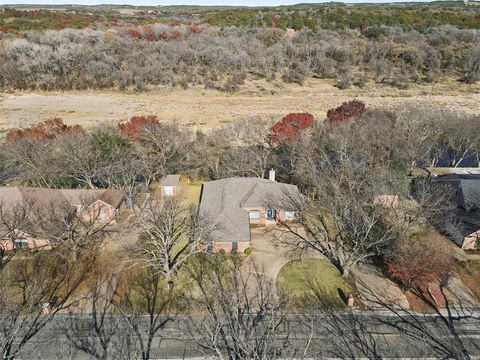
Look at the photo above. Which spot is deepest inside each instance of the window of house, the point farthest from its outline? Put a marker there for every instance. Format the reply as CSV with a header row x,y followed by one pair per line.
x,y
289,215
270,214
21,243
234,246
254,215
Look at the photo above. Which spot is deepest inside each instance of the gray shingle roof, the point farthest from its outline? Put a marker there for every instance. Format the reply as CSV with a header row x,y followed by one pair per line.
x,y
466,189
471,193
11,196
223,201
170,180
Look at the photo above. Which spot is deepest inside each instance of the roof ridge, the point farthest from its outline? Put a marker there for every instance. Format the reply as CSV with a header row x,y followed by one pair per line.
x,y
248,194
222,196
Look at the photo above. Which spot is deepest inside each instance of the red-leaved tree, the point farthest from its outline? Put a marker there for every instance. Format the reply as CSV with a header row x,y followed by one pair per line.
x,y
290,126
43,130
132,128
348,110
421,261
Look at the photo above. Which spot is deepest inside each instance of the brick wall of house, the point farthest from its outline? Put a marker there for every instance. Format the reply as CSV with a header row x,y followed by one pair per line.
x,y
33,244
470,241
227,246
93,212
281,216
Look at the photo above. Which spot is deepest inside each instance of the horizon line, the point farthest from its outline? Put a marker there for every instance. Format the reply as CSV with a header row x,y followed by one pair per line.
x,y
120,3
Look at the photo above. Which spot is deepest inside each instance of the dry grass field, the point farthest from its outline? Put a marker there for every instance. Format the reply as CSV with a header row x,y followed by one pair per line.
x,y
197,107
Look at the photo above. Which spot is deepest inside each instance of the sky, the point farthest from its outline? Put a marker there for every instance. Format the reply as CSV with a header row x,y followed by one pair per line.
x,y
180,2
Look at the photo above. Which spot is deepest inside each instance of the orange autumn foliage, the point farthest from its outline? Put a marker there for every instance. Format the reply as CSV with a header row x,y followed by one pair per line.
x,y
44,130
132,128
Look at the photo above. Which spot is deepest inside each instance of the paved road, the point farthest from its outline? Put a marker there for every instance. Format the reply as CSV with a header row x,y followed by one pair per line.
x,y
379,336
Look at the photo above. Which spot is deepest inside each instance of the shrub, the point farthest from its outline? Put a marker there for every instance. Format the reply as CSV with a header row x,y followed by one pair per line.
x,y
343,82
133,127
44,130
248,251
290,126
348,110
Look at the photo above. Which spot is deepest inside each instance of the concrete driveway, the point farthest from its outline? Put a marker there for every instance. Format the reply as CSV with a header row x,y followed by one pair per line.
x,y
268,256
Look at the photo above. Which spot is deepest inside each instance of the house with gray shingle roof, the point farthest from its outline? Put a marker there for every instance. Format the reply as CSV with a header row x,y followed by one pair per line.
x,y
92,205
235,204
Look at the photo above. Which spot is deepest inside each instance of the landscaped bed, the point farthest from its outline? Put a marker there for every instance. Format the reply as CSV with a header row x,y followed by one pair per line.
x,y
469,272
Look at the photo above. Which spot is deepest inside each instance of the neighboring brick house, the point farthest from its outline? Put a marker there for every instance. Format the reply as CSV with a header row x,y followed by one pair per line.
x,y
169,185
19,240
236,204
388,201
99,205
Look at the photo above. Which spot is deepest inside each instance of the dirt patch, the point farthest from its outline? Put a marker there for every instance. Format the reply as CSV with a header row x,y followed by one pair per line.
x,y
197,107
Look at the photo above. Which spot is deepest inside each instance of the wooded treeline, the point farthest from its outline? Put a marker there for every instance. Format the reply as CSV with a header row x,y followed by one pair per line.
x,y
223,58
133,154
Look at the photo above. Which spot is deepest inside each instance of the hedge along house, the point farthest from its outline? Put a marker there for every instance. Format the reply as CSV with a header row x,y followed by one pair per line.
x,y
236,204
19,204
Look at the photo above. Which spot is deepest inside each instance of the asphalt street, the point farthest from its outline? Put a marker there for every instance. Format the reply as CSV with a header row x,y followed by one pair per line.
x,y
363,335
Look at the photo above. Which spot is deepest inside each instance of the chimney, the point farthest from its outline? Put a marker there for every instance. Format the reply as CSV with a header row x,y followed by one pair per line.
x,y
271,175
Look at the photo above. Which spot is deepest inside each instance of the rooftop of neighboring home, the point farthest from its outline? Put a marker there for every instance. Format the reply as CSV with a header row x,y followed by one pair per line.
x,y
170,180
465,185
440,171
75,197
224,201
467,189
12,196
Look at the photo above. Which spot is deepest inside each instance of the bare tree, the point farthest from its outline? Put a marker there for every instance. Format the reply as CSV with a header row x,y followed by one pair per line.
x,y
237,313
13,217
164,149
430,330
37,288
341,220
145,306
78,158
171,234
92,332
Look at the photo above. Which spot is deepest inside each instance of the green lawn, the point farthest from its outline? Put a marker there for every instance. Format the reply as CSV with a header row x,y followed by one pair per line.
x,y
190,191
315,279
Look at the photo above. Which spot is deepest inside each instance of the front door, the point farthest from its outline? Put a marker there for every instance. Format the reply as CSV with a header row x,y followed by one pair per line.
x,y
270,214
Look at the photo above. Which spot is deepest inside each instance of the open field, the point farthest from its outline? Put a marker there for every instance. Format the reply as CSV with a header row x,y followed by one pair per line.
x,y
197,107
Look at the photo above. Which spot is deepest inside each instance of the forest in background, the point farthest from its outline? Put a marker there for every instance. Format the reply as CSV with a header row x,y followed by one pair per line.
x,y
222,48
